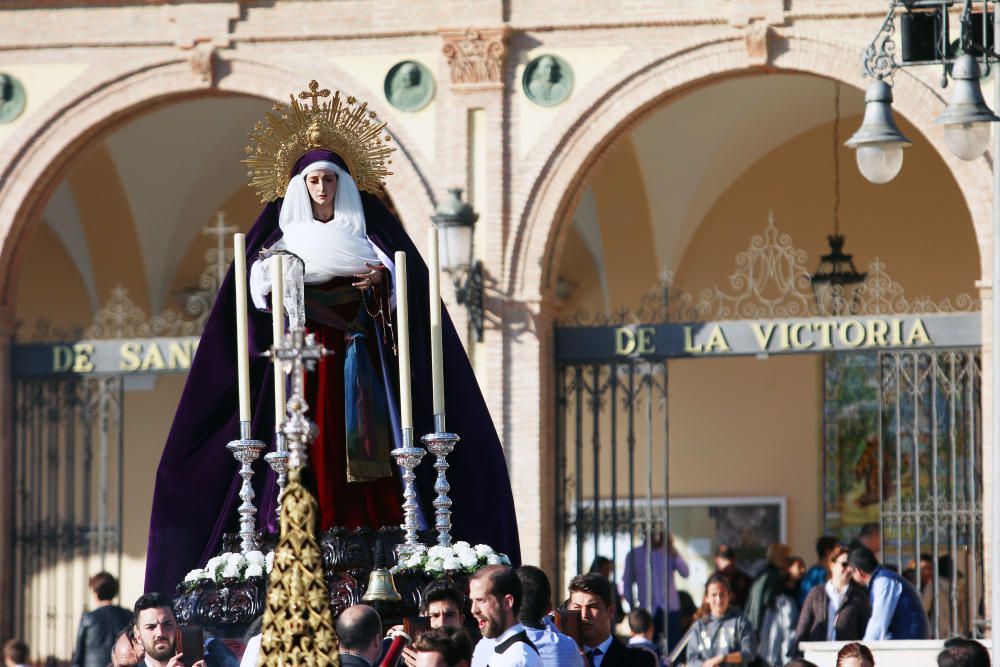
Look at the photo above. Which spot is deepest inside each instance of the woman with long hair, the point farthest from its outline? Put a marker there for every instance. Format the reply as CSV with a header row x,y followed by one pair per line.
x,y
721,634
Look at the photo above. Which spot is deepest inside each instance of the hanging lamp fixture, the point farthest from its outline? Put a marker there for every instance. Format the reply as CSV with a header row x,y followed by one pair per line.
x,y
836,280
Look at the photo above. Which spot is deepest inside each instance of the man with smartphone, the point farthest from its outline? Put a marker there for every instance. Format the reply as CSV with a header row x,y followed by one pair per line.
x,y
157,629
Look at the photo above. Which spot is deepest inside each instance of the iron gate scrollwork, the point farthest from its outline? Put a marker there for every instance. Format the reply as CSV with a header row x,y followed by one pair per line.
x,y
931,468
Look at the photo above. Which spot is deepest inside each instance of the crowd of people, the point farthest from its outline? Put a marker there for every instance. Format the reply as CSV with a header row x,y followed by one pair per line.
x,y
506,617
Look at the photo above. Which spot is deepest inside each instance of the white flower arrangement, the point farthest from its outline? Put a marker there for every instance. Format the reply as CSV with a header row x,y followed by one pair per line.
x,y
460,557
232,566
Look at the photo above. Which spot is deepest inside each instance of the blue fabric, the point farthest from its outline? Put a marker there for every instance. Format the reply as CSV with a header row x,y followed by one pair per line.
x,y
365,407
897,611
555,648
815,576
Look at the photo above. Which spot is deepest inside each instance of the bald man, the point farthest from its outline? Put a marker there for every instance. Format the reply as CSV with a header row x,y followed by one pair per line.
x,y
359,630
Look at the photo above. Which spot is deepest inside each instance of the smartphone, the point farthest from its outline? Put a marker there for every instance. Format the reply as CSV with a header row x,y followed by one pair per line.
x,y
190,643
415,626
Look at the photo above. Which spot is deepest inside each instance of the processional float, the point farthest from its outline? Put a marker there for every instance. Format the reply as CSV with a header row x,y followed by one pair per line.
x,y
298,619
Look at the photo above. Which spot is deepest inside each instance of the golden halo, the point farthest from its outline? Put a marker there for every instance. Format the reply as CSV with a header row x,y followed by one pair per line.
x,y
341,125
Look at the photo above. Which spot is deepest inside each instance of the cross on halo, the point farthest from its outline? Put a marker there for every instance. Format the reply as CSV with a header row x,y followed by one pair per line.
x,y
315,93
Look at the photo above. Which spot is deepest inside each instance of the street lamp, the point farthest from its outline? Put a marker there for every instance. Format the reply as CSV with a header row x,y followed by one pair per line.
x,y
879,142
966,134
456,220
966,118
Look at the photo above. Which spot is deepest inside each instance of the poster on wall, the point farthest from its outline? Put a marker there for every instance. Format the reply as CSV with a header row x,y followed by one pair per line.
x,y
851,493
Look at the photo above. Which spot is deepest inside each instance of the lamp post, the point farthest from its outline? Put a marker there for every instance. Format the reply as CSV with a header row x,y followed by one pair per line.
x,y
966,132
457,219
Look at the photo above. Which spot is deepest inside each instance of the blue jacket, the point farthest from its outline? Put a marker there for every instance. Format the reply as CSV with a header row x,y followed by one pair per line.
x,y
909,620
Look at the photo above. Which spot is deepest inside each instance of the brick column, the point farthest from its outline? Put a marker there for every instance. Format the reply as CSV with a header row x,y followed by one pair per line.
x,y
529,425
986,406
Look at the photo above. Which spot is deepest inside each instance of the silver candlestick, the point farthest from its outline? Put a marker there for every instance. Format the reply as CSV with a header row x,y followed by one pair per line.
x,y
278,460
246,450
408,457
440,443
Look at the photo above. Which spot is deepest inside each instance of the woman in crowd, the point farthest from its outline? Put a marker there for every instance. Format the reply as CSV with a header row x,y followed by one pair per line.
x,y
837,610
721,634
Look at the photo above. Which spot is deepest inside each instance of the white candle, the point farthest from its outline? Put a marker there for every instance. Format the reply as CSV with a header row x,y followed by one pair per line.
x,y
278,328
242,355
403,340
437,357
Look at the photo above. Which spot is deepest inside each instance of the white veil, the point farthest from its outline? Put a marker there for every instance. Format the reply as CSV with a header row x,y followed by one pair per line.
x,y
338,248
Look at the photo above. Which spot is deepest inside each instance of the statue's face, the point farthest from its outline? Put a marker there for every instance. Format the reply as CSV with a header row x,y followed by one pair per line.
x,y
322,187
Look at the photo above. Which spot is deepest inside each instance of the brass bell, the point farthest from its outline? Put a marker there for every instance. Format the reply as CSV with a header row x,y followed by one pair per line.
x,y
381,585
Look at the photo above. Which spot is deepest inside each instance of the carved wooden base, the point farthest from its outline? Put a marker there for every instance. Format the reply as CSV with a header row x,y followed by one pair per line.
x,y
228,608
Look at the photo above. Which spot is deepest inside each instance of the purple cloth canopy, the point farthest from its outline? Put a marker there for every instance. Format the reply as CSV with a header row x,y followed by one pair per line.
x,y
196,494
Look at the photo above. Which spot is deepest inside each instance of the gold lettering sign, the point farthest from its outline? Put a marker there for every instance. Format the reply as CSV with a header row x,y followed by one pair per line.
x,y
639,341
782,336
130,356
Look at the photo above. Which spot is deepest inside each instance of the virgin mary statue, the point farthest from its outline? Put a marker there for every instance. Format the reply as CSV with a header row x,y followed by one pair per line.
x,y
319,169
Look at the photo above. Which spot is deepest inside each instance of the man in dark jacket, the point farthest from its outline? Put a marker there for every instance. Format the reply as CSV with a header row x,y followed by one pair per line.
x,y
100,626
359,630
897,610
590,594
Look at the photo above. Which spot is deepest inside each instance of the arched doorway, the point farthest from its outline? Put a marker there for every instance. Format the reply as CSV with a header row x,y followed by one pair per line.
x,y
757,434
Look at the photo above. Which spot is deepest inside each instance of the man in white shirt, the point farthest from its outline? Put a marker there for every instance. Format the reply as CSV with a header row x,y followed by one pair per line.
x,y
156,628
495,593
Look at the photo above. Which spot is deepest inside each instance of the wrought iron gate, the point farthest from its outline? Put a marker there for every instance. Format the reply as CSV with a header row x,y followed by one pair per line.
x,y
931,470
613,444
68,504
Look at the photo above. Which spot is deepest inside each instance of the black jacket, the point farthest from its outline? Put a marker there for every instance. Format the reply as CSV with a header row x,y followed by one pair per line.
x,y
619,655
852,616
96,635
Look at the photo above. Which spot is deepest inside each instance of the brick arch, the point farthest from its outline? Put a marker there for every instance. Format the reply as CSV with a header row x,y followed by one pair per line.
x,y
572,149
37,156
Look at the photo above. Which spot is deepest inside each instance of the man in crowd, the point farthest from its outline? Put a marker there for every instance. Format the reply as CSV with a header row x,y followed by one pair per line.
x,y
442,602
127,650
640,625
15,653
359,631
445,646
739,581
650,591
555,648
99,626
816,575
156,628
897,610
495,592
962,652
590,594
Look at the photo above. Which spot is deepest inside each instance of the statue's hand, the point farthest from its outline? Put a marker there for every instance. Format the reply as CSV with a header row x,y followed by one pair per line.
x,y
369,278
